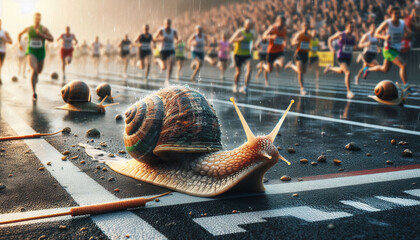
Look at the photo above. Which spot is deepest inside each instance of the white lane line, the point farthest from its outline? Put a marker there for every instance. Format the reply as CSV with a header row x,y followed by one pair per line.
x,y
229,223
413,192
360,206
83,189
400,201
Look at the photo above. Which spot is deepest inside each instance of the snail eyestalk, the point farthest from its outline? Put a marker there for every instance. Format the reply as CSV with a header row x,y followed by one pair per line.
x,y
267,156
273,134
284,159
249,135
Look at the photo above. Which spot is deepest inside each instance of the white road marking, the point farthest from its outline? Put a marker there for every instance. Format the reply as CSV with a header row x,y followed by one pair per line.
x,y
83,189
400,201
228,224
360,205
413,192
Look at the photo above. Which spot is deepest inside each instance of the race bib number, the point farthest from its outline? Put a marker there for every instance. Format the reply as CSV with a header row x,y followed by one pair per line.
x,y
1,41
314,48
199,45
68,44
347,49
304,45
145,46
168,44
373,48
278,41
245,45
396,37
35,43
126,47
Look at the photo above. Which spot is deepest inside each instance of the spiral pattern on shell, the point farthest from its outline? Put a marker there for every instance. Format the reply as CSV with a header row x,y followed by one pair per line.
x,y
386,90
103,90
172,121
76,91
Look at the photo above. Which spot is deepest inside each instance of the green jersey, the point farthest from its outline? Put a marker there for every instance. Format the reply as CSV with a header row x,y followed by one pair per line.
x,y
36,44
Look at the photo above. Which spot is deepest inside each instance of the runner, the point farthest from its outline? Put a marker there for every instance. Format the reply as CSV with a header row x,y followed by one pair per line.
x,y
66,52
302,41
242,40
179,56
211,57
369,43
396,29
313,54
144,42
262,46
37,34
224,50
167,36
108,53
124,46
84,53
22,46
346,42
197,42
96,53
4,39
276,34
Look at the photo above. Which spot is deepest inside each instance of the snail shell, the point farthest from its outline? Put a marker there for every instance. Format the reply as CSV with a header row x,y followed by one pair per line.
x,y
386,92
174,138
54,76
104,90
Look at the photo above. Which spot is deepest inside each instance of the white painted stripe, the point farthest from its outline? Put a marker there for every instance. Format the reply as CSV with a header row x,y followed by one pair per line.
x,y
400,201
360,205
228,224
414,192
83,189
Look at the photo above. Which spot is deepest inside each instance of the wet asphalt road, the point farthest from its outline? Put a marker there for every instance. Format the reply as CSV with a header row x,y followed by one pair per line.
x,y
322,123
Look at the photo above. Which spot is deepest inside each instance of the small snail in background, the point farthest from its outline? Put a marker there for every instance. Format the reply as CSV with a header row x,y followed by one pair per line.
x,y
174,137
15,79
54,76
77,96
104,92
386,92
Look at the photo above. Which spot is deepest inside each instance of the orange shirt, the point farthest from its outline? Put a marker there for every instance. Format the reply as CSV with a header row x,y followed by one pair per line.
x,y
277,45
304,42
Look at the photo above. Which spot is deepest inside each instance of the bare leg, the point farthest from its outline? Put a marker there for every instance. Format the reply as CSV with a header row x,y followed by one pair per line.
x,y
147,66
170,63
317,70
248,72
402,65
197,65
346,72
381,68
236,78
35,70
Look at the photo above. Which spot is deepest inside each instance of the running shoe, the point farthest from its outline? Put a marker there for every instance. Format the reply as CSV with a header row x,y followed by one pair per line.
x,y
365,72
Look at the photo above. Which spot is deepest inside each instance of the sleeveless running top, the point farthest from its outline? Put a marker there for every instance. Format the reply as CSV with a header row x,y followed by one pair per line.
x,y
277,45
224,50
396,33
125,46
145,41
96,48
36,46
199,47
2,41
108,48
179,51
264,46
67,41
345,45
243,48
168,43
314,46
304,43
373,48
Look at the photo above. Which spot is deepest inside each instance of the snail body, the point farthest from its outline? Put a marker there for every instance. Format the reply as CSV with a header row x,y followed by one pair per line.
x,y
174,139
386,92
104,92
77,96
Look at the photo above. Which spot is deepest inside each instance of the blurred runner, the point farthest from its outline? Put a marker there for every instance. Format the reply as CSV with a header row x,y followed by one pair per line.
x,y
302,42
224,50
197,43
96,54
4,39
84,53
211,57
262,45
144,43
108,54
346,42
66,52
37,34
242,40
313,54
369,43
167,36
179,56
125,45
22,46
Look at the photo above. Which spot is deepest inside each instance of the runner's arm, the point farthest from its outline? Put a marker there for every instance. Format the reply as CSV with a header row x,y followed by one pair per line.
x,y
176,36
363,43
158,35
8,38
296,39
235,37
267,34
380,29
331,39
46,34
21,33
75,40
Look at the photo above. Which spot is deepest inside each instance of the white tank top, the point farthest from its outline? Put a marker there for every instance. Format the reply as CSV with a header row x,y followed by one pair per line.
x,y
168,44
108,48
396,33
199,47
2,41
373,48
96,47
264,47
68,41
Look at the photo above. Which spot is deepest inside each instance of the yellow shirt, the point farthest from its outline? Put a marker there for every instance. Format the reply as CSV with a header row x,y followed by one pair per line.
x,y
314,45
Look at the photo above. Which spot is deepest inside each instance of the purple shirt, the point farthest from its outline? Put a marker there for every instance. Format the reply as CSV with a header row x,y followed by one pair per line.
x,y
345,45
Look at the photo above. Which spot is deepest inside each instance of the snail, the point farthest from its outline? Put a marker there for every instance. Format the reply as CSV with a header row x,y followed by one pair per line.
x,y
386,92
77,96
174,139
15,79
104,92
54,76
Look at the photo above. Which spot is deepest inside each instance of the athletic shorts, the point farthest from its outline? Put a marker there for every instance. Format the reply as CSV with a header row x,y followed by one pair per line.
x,y
344,60
144,53
124,54
165,54
369,56
239,60
301,56
313,59
2,56
262,56
199,55
223,60
272,57
96,55
66,53
213,55
180,58
390,54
